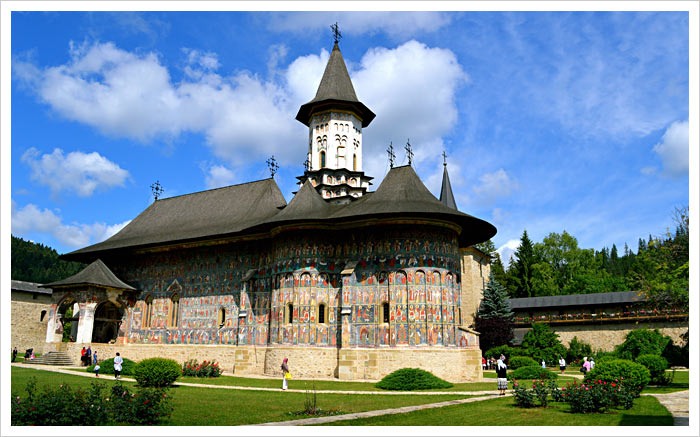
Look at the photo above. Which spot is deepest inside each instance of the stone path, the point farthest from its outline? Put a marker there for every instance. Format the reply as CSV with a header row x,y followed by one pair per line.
x,y
375,413
677,404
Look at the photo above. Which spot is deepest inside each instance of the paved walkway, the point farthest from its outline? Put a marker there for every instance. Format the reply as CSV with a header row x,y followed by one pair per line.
x,y
676,403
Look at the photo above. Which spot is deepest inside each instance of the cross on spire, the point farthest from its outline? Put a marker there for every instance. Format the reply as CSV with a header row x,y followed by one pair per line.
x,y
156,189
336,32
307,164
392,157
409,152
444,158
272,165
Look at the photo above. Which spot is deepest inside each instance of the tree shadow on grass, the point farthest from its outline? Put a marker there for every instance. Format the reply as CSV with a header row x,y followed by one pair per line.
x,y
645,420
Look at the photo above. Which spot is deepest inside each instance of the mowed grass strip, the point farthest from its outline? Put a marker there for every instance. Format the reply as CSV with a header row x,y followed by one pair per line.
x,y
680,383
647,411
195,406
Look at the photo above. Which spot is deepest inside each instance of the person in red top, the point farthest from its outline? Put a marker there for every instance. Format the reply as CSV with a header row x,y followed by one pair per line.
x,y
82,357
483,363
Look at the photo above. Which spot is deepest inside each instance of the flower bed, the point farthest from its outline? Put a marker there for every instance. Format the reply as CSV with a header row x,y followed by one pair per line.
x,y
208,369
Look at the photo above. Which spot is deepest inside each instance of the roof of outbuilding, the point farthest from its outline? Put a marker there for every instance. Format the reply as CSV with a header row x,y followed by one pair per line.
x,y
29,287
220,211
336,88
616,297
96,273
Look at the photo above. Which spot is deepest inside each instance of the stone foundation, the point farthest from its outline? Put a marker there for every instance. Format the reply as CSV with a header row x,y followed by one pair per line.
x,y
454,365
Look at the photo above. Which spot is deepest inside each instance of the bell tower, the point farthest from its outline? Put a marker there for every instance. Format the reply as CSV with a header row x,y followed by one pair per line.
x,y
335,118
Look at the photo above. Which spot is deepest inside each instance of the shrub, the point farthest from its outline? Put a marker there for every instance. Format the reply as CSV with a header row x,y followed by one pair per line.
x,y
506,350
634,376
524,398
517,362
208,369
676,355
577,350
157,372
642,342
657,368
597,396
531,372
61,406
601,356
145,407
107,367
411,379
543,344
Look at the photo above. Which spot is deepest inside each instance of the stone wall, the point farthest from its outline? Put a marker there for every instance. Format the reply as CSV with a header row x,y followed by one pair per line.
x,y
28,330
475,274
606,337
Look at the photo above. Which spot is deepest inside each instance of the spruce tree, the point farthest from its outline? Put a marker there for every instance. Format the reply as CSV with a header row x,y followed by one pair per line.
x,y
494,319
522,274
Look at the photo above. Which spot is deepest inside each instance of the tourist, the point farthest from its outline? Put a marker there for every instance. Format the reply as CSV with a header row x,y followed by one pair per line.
x,y
94,357
97,370
14,354
31,357
117,365
88,356
562,364
586,367
285,370
483,363
501,373
83,362
592,363
544,366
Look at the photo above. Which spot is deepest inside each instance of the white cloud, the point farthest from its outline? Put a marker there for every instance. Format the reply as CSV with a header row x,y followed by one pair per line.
x,y
507,251
80,172
244,117
75,235
648,170
395,24
219,176
495,185
673,149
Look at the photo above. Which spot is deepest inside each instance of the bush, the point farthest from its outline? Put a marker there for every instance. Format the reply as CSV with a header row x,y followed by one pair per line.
x,y
601,356
107,367
597,396
642,342
61,406
676,355
208,369
506,350
518,362
145,407
577,350
411,379
157,372
524,398
531,372
543,344
657,368
634,376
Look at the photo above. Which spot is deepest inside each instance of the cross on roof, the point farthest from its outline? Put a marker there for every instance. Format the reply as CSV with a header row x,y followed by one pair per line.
x,y
392,157
336,32
409,152
444,158
307,164
272,165
156,189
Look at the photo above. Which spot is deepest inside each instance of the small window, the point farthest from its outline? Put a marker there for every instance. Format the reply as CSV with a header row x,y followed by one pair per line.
x,y
290,313
322,313
43,314
222,317
385,312
322,159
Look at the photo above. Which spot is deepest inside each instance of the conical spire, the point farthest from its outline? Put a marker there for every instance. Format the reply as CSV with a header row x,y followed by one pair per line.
x,y
335,92
446,196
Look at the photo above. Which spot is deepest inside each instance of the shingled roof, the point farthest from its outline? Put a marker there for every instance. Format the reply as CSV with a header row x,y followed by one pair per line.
x,y
307,204
335,90
222,211
96,273
29,287
610,298
446,196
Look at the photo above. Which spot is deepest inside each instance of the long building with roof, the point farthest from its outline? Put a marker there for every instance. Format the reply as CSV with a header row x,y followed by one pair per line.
x,y
344,281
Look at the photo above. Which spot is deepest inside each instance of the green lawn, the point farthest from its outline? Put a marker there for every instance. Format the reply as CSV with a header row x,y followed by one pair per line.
x,y
680,382
196,406
646,411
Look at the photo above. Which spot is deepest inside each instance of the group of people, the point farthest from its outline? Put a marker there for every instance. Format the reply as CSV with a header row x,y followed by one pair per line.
x,y
88,357
28,354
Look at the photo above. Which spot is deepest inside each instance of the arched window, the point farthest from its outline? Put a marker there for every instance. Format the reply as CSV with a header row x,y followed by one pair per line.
x,y
336,126
148,311
354,162
384,316
290,313
174,310
322,313
43,314
221,320
322,159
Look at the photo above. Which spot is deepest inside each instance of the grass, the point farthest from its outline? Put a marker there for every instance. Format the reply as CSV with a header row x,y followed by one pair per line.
x,y
680,382
196,406
20,357
647,411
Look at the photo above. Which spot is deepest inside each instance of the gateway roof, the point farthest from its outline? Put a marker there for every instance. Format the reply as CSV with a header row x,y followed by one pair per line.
x,y
96,273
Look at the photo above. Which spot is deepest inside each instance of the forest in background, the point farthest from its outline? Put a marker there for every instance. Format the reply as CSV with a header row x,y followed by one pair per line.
x,y
34,262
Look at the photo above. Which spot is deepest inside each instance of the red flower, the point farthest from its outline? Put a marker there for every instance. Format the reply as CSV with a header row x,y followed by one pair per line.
x,y
613,384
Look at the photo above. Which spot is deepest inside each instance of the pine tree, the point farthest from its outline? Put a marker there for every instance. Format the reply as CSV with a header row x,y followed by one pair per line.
x,y
494,319
499,273
522,274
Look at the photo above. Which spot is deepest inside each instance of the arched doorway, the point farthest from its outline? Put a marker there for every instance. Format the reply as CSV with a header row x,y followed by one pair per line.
x,y
68,316
108,316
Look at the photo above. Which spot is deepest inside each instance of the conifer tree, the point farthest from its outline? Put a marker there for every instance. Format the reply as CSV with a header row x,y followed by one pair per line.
x,y
494,319
520,278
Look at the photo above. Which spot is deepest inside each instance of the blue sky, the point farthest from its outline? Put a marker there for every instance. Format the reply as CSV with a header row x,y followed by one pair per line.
x,y
573,121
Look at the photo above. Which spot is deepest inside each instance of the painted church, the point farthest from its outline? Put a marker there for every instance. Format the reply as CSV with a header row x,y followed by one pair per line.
x,y
346,282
